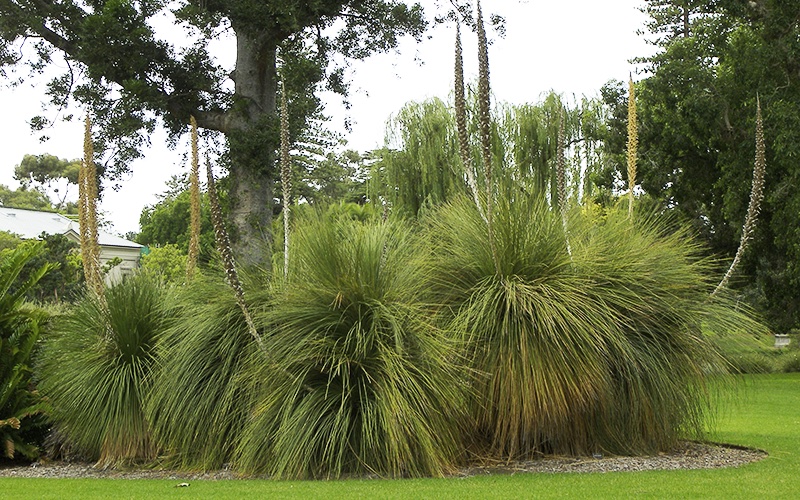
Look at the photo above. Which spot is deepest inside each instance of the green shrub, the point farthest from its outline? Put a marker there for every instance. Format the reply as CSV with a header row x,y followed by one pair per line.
x,y
20,404
168,263
95,369
594,350
198,402
357,380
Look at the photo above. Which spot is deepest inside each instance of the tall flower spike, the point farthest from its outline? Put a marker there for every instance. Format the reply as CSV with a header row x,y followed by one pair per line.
x,y
485,128
224,249
194,196
561,174
756,196
633,143
87,206
286,177
461,124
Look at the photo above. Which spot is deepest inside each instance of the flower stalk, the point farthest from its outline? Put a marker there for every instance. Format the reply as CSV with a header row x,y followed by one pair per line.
x,y
286,177
194,197
633,143
225,252
485,128
87,208
756,196
461,124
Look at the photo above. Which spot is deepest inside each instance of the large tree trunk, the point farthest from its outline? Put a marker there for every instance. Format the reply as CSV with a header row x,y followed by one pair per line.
x,y
253,143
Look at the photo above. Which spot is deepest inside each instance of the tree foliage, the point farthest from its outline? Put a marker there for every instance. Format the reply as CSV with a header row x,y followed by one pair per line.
x,y
132,77
49,173
697,113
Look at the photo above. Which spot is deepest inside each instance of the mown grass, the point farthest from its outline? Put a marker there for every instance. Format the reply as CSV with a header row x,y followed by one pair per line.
x,y
766,417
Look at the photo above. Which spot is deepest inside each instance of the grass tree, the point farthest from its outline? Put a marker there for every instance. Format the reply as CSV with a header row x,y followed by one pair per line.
x,y
198,403
95,369
598,351
370,385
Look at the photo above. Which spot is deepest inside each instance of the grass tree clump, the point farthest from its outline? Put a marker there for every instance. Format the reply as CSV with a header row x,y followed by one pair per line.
x,y
368,385
655,284
531,333
197,403
600,351
95,369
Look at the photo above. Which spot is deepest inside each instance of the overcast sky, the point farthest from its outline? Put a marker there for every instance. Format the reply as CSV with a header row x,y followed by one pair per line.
x,y
570,46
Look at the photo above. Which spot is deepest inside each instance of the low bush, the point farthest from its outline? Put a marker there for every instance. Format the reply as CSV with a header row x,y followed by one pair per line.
x,y
356,379
21,407
95,369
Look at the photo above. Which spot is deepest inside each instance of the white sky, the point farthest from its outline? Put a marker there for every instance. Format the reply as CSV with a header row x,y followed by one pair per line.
x,y
570,46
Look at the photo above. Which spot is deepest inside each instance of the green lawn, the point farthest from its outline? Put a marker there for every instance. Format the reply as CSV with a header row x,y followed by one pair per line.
x,y
767,417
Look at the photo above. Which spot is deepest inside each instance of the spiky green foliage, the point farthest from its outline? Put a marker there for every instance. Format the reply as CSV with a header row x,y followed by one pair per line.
x,y
601,352
197,404
369,386
95,369
19,331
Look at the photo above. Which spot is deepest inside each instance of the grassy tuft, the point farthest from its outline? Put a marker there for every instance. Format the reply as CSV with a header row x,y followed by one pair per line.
x,y
599,352
367,385
95,369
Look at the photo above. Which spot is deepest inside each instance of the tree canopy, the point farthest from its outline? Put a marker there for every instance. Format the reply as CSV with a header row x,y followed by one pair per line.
x,y
132,76
697,112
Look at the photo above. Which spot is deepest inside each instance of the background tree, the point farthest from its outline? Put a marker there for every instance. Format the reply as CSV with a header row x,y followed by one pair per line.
x,y
65,279
130,77
697,111
25,198
50,174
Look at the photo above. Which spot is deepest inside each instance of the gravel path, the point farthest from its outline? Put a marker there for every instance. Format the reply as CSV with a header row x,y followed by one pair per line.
x,y
689,455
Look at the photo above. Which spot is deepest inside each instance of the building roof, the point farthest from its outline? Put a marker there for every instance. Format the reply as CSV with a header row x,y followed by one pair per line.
x,y
30,224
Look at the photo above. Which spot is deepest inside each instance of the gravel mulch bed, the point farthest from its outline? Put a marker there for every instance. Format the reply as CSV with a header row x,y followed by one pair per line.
x,y
689,455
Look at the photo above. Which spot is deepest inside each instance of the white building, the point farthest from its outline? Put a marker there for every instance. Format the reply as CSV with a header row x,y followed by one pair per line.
x,y
30,224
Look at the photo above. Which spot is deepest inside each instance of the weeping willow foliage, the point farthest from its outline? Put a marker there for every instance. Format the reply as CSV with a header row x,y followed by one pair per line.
x,y
423,170
601,352
369,385
198,404
95,369
422,166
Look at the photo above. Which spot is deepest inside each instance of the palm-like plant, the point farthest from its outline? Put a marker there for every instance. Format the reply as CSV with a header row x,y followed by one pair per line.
x,y
19,332
367,384
598,352
95,369
197,404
